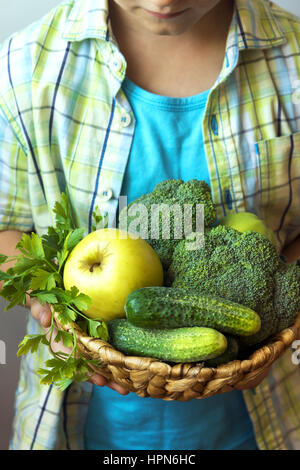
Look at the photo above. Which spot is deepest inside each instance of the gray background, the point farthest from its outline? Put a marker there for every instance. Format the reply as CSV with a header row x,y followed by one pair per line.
x,y
14,15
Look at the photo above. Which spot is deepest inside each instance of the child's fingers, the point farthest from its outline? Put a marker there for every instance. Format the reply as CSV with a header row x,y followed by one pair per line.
x,y
118,388
100,380
41,313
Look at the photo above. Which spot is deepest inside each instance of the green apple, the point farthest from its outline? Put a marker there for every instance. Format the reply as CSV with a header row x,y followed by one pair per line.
x,y
244,221
107,265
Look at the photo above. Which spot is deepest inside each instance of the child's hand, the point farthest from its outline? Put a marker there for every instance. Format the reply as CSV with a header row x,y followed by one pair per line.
x,y
42,314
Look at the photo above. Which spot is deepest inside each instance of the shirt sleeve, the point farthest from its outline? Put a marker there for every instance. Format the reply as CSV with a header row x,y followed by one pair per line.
x,y
15,207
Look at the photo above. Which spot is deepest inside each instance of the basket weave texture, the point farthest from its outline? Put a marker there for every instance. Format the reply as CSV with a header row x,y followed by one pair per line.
x,y
150,377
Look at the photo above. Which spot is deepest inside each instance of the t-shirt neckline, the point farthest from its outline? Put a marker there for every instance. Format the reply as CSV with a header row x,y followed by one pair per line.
x,y
167,102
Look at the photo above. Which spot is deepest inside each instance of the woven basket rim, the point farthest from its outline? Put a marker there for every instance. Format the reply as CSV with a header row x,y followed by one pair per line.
x,y
260,359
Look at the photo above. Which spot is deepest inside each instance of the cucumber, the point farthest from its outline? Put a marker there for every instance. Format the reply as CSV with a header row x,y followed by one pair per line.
x,y
171,307
189,344
228,355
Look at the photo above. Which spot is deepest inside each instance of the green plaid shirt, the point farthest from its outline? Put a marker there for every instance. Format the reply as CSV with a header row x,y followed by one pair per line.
x,y
65,122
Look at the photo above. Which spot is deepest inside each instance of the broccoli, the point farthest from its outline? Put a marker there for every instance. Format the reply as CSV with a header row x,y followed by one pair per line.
x,y
245,268
171,192
287,294
242,267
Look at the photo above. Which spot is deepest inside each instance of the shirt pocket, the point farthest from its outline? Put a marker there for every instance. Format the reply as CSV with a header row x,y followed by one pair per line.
x,y
279,184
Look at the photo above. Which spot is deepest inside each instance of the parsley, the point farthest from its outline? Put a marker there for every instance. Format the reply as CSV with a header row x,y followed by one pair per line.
x,y
100,221
38,272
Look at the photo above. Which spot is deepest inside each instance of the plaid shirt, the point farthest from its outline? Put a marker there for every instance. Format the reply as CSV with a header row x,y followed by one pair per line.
x,y
65,121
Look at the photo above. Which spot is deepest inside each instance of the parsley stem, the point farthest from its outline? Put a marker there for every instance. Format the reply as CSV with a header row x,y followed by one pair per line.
x,y
82,314
52,266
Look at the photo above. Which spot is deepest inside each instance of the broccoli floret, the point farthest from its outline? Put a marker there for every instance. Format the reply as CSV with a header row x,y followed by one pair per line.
x,y
238,266
287,295
198,192
173,194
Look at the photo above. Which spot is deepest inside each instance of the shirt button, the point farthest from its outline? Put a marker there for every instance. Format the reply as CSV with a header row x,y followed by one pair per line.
x,y
106,194
125,120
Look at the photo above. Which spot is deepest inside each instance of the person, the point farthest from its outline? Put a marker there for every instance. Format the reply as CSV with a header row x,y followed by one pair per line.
x,y
109,97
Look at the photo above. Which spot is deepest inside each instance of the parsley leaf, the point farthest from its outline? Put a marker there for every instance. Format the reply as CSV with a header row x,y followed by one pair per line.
x,y
30,343
98,329
100,221
3,258
37,273
44,280
74,238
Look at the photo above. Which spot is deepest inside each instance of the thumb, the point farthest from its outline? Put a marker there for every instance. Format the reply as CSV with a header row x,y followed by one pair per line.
x,y
42,313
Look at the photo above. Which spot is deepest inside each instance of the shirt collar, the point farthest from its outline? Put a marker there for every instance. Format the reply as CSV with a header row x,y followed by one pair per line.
x,y
254,25
88,19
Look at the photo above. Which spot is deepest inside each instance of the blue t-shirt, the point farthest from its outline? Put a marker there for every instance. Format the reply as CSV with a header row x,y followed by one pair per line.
x,y
168,140
167,143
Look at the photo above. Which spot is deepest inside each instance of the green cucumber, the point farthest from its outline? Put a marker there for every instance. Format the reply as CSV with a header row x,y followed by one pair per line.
x,y
174,345
170,307
230,354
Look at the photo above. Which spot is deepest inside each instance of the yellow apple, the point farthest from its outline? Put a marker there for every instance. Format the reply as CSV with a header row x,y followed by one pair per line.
x,y
244,221
107,265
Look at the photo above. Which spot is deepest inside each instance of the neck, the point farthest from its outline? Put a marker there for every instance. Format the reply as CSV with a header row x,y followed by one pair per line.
x,y
170,65
126,29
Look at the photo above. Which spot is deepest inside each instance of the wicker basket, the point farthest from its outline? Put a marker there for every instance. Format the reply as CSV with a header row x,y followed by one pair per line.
x,y
149,377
